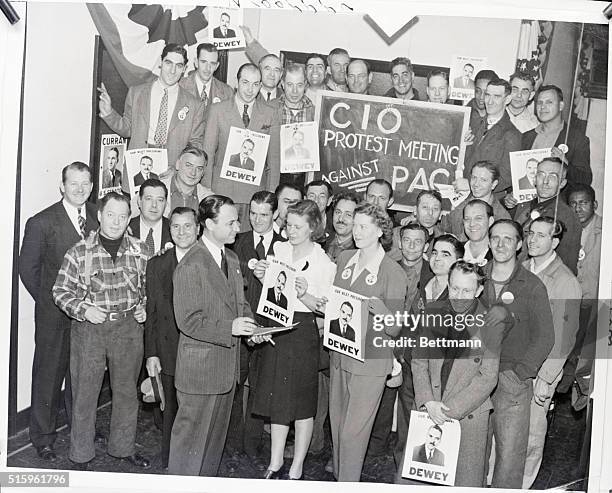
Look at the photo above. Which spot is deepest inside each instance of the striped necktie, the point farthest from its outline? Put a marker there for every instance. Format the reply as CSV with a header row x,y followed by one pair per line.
x,y
162,121
81,223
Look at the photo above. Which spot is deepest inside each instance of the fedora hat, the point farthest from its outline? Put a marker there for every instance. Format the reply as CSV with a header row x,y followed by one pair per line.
x,y
153,391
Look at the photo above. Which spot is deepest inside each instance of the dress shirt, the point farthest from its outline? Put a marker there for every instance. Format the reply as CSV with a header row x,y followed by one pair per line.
x,y
240,104
157,233
537,269
267,239
73,214
157,93
469,257
214,250
277,229
545,139
273,93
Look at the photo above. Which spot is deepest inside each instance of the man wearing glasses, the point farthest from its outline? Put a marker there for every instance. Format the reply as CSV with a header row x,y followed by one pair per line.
x,y
550,179
520,109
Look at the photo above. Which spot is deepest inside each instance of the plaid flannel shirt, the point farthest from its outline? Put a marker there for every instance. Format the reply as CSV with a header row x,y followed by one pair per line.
x,y
304,114
114,286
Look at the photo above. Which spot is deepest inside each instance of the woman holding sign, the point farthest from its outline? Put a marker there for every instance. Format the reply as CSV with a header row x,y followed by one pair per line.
x,y
356,387
287,381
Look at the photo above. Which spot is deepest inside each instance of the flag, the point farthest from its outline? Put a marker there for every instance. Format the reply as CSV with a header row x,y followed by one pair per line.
x,y
135,35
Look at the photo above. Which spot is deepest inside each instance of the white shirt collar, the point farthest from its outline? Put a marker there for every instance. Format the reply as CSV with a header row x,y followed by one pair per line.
x,y
547,262
468,257
267,239
200,84
240,104
73,214
276,228
372,266
157,233
214,250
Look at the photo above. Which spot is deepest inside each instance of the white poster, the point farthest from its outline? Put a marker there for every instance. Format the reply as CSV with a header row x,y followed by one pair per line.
x,y
143,164
278,297
112,151
245,156
523,169
223,26
431,451
344,319
299,147
462,73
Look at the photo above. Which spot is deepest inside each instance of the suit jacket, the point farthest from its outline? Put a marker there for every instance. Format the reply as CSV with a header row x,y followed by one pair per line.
x,y
165,238
109,181
524,183
459,84
235,162
161,334
221,117
282,302
334,328
135,121
217,33
48,236
420,455
139,179
219,91
205,305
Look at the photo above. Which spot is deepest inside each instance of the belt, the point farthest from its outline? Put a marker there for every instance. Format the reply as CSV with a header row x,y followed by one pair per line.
x,y
113,316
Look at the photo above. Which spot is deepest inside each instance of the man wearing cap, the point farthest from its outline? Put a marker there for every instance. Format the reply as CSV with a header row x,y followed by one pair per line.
x,y
101,286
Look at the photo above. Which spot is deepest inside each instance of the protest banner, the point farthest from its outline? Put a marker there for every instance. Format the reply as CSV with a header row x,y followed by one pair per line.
x,y
523,169
142,164
299,147
344,319
112,151
431,451
278,297
462,73
245,156
413,145
224,28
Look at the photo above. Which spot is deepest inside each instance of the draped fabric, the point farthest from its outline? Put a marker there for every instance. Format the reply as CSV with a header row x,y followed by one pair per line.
x,y
533,49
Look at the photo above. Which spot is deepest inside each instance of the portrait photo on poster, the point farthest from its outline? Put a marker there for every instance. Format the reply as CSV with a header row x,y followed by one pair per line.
x,y
345,314
112,152
145,164
245,156
224,28
462,76
523,168
431,450
278,296
299,147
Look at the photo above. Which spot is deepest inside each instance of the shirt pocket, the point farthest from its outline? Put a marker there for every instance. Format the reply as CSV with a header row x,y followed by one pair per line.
x,y
130,277
96,281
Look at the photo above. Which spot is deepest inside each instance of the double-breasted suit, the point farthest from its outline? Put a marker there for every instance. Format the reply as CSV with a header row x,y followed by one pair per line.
x,y
207,361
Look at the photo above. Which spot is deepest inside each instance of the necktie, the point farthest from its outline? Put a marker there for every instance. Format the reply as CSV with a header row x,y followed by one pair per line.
x,y
260,249
245,116
204,97
149,241
82,223
223,263
268,96
162,121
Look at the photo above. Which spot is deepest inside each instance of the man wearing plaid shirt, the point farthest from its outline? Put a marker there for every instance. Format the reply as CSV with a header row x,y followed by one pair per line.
x,y
101,286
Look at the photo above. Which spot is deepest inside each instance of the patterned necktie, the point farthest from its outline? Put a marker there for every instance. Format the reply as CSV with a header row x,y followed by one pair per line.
x,y
245,116
81,223
269,96
260,249
162,121
204,97
149,242
223,263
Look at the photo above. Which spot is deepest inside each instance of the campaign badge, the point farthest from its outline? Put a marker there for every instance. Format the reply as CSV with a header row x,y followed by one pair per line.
x,y
252,263
371,280
507,297
346,273
581,254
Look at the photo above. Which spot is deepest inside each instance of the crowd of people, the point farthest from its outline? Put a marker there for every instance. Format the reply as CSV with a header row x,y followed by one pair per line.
x,y
175,284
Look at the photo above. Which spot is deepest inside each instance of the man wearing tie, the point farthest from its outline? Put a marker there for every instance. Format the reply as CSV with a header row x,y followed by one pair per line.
x,y
160,113
275,293
111,175
428,452
340,326
223,30
48,235
146,167
201,82
150,226
243,159
212,315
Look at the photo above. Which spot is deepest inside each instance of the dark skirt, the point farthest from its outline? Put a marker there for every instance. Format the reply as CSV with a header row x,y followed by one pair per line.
x,y
287,380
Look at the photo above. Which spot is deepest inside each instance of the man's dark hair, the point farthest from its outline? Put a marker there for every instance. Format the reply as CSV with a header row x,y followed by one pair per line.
x,y
436,72
488,165
292,186
245,66
414,227
558,228
196,151
114,196
153,183
428,193
346,303
436,427
381,181
209,207
76,166
584,188
550,87
316,55
208,47
282,273
468,268
517,227
248,140
319,183
486,205
174,48
345,195
452,239
114,149
485,74
265,197
400,60
469,65
146,157
177,211
524,76
225,14
501,83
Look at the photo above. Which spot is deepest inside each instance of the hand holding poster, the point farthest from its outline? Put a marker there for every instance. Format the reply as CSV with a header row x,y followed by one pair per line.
x,y
226,33
278,295
111,163
344,316
299,147
462,74
523,168
431,451
143,164
245,156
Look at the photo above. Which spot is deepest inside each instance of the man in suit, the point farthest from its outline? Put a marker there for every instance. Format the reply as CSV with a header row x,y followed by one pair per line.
x,y
47,237
161,334
201,82
528,181
223,30
242,111
212,315
297,149
340,326
275,293
146,167
111,176
465,81
158,113
250,247
243,158
428,452
150,226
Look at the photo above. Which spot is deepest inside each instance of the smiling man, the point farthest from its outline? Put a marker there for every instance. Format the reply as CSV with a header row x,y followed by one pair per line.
x,y
315,74
402,78
437,86
358,77
159,113
337,61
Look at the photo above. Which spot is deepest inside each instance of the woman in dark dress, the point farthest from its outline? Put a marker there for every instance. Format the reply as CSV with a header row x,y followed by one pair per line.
x,y
287,382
